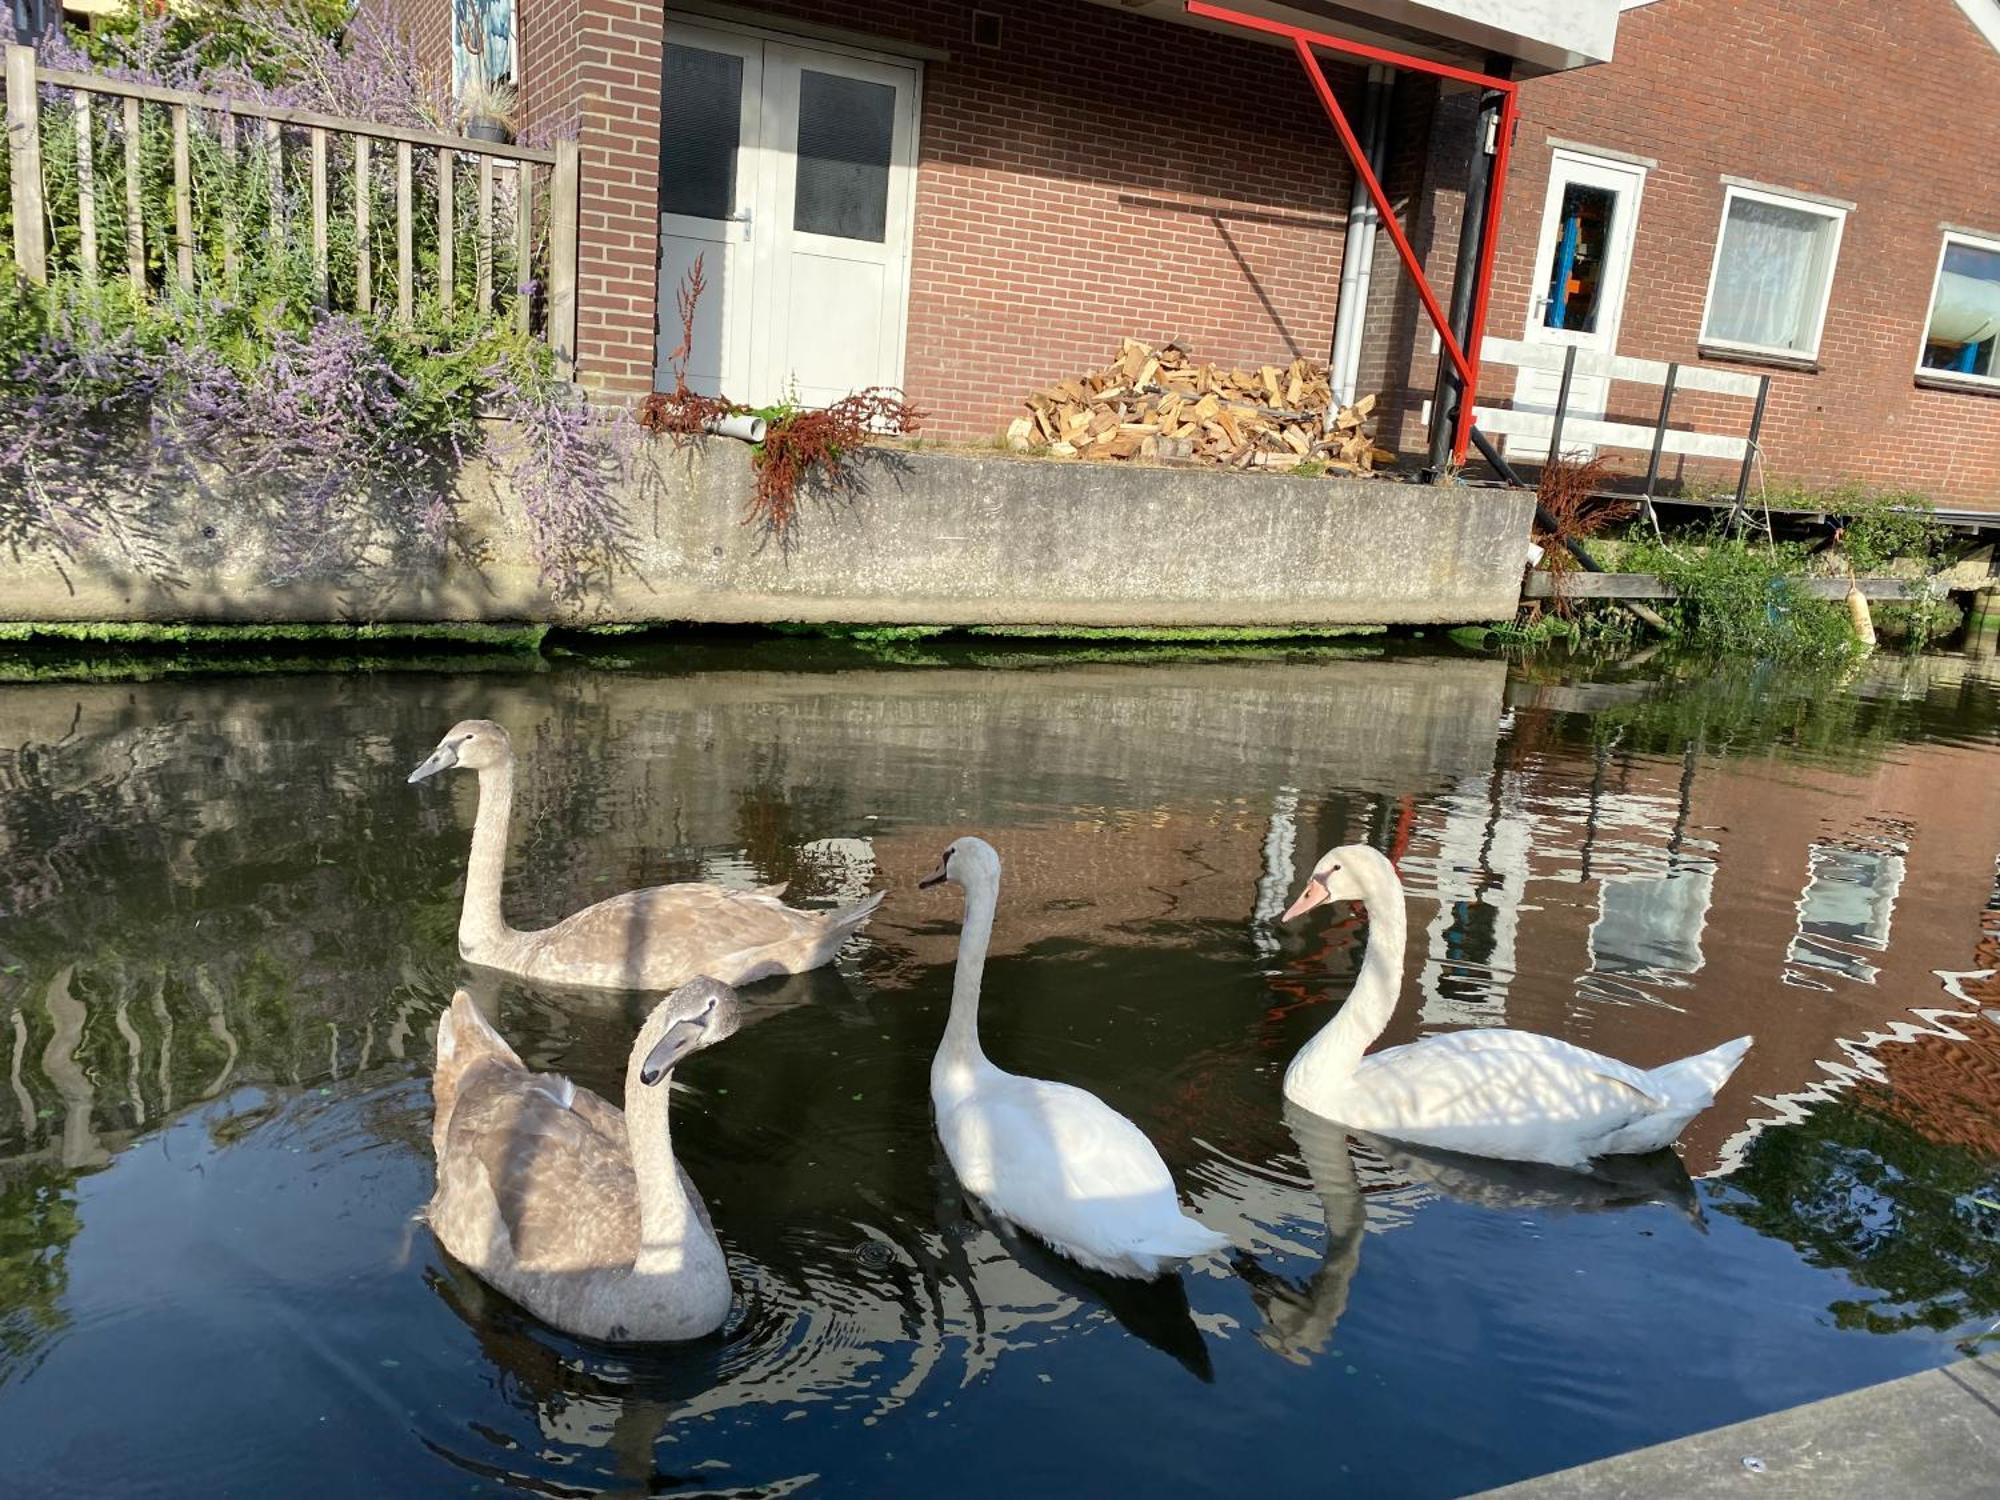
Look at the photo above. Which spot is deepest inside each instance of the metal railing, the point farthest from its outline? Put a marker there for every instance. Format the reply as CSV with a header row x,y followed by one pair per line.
x,y
491,160
1547,428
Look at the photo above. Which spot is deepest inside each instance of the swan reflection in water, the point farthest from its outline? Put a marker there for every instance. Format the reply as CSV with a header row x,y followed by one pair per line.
x,y
926,1305
1300,1316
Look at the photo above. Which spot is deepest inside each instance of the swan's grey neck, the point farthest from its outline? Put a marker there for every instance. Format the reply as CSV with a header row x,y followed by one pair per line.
x,y
481,923
666,1217
1332,1056
959,1052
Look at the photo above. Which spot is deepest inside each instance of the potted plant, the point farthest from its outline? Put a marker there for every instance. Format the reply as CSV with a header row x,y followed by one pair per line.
x,y
486,111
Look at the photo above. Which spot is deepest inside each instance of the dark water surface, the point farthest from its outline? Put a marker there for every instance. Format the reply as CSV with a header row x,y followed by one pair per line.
x,y
227,926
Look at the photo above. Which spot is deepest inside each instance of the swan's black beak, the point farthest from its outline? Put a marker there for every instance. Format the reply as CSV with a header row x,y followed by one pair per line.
x,y
936,877
441,759
682,1038
710,1024
1314,893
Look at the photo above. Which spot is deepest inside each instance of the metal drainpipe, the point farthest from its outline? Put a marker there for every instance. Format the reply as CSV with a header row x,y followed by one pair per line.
x,y
1358,247
1479,179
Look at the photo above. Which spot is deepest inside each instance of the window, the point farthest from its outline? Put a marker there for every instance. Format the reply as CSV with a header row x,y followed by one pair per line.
x,y
1773,273
1962,334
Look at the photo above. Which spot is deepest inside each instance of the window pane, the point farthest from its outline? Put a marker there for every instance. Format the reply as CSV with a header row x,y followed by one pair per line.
x,y
1770,275
1576,271
846,126
1964,331
701,112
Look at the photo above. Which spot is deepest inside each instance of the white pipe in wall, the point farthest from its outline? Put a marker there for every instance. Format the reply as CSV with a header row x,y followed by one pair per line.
x,y
1358,252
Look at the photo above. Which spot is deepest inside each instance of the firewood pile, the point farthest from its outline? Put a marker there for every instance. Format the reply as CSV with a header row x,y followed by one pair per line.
x,y
1159,404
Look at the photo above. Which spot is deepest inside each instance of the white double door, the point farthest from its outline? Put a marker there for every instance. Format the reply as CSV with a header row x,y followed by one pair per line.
x,y
787,170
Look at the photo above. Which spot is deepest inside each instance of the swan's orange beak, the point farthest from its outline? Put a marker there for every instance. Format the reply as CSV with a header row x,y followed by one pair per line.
x,y
1314,893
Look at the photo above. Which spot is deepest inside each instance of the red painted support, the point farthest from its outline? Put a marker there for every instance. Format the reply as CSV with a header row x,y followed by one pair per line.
x,y
1464,360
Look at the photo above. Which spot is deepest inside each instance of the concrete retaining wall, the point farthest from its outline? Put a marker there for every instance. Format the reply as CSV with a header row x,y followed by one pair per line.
x,y
934,539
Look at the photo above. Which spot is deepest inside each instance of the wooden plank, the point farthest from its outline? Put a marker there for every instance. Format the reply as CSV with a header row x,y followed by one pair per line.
x,y
364,265
274,169
318,138
1581,585
1524,355
303,119
482,243
86,187
405,251
562,258
183,200
1495,422
135,218
231,230
524,245
24,163
447,229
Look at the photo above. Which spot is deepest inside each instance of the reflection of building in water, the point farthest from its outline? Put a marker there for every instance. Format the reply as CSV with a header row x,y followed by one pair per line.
x,y
1935,1068
1847,904
1476,848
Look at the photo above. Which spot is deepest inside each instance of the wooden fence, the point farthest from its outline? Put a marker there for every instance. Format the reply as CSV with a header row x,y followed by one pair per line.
x,y
488,158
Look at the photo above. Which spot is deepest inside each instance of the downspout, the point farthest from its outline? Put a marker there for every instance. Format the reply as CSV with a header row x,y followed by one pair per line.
x,y
1486,128
1357,257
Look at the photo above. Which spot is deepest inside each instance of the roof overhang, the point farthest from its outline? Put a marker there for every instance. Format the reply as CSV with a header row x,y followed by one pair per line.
x,y
1539,36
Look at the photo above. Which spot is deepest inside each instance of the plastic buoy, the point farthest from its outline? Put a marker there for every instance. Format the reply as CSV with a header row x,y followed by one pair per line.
x,y
1857,612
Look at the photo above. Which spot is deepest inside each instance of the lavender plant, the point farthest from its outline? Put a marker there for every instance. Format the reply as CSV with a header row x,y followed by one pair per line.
x,y
345,433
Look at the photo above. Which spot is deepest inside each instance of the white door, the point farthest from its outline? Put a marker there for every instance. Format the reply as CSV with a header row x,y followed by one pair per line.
x,y
711,108
1584,262
816,233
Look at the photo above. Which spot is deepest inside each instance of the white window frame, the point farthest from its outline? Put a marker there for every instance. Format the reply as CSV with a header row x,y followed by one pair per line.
x,y
1930,374
1821,207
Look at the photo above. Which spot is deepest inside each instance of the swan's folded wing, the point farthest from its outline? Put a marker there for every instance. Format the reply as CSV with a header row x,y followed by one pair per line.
x,y
1071,1150
1550,1053
1483,1081
564,1191
703,922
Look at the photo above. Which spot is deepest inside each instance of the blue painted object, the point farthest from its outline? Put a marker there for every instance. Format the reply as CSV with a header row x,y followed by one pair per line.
x,y
1565,263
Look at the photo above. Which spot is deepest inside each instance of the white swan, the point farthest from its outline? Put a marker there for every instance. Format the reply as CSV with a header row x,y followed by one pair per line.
x,y
1047,1157
643,940
576,1210
1510,1094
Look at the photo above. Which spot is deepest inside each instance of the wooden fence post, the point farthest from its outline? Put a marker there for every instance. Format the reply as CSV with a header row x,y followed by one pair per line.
x,y
24,150
86,188
482,244
318,139
447,230
524,244
135,218
183,200
364,260
405,243
562,259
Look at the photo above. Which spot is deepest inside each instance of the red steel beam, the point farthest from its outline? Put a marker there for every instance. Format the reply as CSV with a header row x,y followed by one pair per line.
x,y
1464,360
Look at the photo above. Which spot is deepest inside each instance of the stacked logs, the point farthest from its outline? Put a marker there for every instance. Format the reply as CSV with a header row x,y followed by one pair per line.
x,y
1157,403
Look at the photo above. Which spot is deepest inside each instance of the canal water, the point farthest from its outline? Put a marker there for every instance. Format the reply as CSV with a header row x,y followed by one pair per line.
x,y
227,928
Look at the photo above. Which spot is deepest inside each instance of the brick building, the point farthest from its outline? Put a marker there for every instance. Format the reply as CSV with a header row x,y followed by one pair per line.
x,y
971,197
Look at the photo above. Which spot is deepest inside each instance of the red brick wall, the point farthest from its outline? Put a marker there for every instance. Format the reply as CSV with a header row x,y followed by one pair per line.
x,y
1893,108
1098,175
1095,176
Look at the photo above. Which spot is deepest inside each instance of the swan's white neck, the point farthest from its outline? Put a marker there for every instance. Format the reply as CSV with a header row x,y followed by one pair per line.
x,y
958,1056
1329,1059
481,923
669,1229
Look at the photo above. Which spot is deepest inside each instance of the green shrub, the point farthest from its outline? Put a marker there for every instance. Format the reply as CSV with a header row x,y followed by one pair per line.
x,y
1742,598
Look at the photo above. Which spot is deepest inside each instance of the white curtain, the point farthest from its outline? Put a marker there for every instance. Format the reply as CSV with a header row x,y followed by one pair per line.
x,y
1768,277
